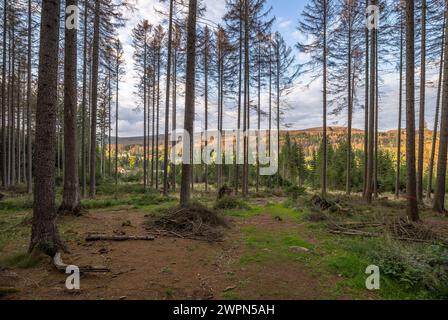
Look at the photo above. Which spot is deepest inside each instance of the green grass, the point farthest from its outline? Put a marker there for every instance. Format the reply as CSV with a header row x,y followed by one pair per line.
x,y
17,204
252,211
22,260
266,246
284,212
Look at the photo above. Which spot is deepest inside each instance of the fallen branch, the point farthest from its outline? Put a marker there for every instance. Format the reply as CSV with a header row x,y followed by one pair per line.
x,y
355,233
101,237
61,266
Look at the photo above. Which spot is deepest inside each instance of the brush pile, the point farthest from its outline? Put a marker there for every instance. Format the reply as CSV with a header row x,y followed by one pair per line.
x,y
196,223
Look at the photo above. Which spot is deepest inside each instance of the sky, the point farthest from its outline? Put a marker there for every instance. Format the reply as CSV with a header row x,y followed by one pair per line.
x,y
305,101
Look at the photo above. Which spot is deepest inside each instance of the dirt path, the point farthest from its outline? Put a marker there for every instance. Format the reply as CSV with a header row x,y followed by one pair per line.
x,y
167,268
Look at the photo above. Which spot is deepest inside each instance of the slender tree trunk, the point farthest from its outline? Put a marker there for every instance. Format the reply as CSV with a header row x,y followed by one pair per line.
x,y
4,129
278,106
412,209
258,116
71,198
372,106
158,115
167,102
29,160
421,130
84,105
174,120
93,115
437,112
400,111
109,125
12,107
375,163
439,197
185,193
117,84
153,121
206,58
18,133
324,105
240,80
246,98
366,107
145,74
44,235
350,106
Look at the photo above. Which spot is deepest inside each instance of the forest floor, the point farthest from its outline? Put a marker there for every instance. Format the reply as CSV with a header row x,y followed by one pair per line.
x,y
274,249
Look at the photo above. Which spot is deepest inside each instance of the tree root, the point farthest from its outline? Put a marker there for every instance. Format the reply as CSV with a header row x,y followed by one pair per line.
x,y
62,267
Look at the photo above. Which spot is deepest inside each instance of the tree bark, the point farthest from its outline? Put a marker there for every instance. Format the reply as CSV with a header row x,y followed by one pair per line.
x,y
439,197
84,106
185,193
437,112
29,160
400,112
4,129
412,209
366,107
94,96
167,102
44,234
324,105
71,198
421,131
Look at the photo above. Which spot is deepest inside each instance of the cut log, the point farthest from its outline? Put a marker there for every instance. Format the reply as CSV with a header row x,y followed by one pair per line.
x,y
61,266
102,237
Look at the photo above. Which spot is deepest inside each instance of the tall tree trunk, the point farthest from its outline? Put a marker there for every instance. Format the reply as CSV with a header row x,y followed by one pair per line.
x,y
71,198
109,124
240,80
84,105
257,187
350,106
18,133
375,161
145,74
246,98
29,159
366,106
400,111
94,95
185,193
421,130
324,105
12,107
278,106
439,197
412,209
44,234
372,106
167,102
174,120
4,129
206,67
153,120
117,84
158,114
437,112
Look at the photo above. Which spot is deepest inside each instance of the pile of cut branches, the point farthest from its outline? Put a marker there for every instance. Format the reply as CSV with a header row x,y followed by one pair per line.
x,y
196,223
324,204
398,229
406,230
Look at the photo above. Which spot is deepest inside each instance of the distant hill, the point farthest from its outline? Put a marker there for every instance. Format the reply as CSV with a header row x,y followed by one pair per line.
x,y
311,138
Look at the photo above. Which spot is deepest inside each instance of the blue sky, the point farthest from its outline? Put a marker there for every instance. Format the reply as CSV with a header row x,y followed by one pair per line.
x,y
305,102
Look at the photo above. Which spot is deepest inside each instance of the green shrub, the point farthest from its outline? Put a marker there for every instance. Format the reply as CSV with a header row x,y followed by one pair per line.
x,y
418,267
295,191
230,203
